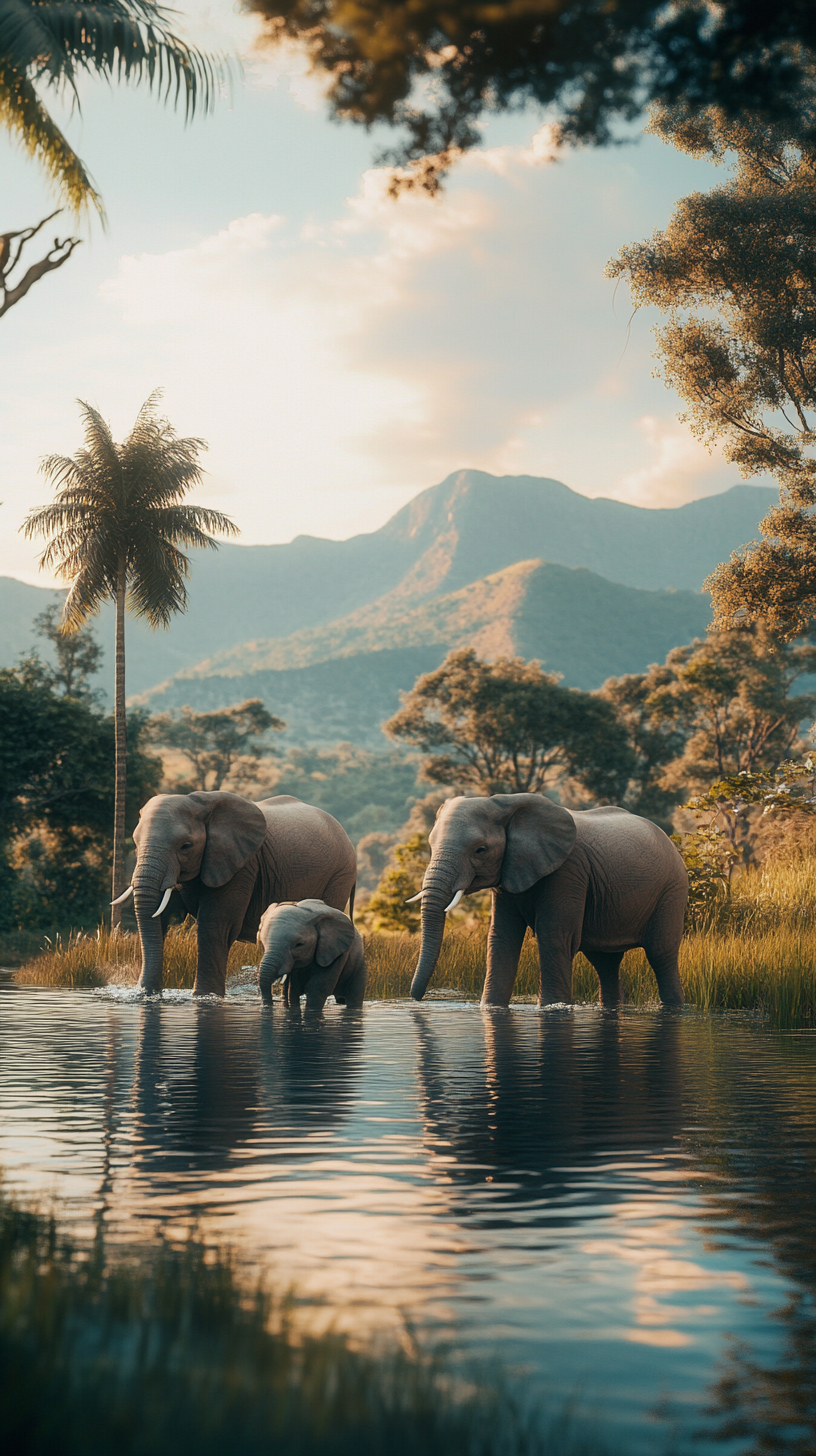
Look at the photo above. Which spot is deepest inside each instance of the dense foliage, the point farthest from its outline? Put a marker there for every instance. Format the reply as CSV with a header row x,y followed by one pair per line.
x,y
436,69
735,272
56,799
227,743
508,727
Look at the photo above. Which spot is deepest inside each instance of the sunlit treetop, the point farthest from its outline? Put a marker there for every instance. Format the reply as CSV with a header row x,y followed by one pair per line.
x,y
435,68
735,274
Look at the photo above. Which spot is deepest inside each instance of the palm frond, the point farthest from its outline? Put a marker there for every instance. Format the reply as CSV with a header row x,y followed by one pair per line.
x,y
53,42
126,40
123,504
190,525
23,114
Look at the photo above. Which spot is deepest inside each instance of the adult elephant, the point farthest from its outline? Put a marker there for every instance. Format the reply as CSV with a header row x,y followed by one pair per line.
x,y
598,880
229,858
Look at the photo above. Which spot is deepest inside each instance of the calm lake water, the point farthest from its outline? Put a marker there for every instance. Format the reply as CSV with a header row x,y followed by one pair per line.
x,y
622,1207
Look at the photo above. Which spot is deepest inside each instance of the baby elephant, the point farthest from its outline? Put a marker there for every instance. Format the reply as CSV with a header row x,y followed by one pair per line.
x,y
317,949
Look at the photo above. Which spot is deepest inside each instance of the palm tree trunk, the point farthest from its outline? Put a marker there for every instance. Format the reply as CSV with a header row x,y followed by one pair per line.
x,y
120,728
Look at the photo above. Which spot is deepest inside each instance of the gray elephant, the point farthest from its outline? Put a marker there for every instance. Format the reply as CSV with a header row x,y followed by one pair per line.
x,y
317,949
601,881
228,858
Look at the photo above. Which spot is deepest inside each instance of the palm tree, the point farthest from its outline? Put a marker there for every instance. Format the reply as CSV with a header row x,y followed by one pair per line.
x,y
114,533
53,43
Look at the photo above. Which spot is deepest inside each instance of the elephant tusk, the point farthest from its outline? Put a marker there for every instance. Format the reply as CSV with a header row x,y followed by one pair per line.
x,y
165,898
455,901
414,898
125,895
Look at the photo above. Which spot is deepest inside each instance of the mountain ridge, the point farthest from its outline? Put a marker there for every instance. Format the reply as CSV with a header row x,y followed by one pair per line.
x,y
463,530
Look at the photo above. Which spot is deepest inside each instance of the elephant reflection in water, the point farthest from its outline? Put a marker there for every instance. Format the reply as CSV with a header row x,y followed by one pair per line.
x,y
550,1092
215,1084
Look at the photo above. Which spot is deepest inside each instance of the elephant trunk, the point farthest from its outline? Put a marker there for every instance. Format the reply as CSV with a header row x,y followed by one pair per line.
x,y
438,891
276,964
150,880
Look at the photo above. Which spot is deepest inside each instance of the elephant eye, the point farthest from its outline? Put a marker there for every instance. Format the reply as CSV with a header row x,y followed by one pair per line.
x,y
482,849
186,846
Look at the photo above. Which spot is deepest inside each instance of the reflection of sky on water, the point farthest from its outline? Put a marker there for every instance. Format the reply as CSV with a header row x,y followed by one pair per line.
x,y
602,1199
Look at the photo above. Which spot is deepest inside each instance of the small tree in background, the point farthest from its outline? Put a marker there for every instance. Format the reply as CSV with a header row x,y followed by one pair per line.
x,y
222,744
508,727
114,533
731,698
79,658
735,272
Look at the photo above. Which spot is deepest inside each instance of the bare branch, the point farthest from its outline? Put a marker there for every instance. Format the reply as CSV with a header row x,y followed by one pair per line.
x,y
11,248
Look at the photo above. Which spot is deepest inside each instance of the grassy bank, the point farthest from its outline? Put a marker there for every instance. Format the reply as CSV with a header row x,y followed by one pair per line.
x,y
759,954
167,1350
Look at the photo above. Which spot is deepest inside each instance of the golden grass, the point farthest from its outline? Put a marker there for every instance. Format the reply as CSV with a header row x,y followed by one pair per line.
x,y
760,957
106,959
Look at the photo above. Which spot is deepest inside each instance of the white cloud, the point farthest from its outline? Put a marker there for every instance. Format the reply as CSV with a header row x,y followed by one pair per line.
x,y
680,468
338,366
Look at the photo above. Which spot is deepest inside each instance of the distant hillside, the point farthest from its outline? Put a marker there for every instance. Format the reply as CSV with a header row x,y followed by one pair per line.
x,y
341,681
19,605
468,528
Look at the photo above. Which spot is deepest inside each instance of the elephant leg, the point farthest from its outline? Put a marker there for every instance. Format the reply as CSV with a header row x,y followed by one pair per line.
x,y
213,951
607,964
667,974
508,928
350,988
662,943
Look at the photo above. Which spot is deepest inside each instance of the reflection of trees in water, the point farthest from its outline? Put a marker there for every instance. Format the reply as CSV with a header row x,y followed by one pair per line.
x,y
203,1085
548,1092
773,1408
761,1141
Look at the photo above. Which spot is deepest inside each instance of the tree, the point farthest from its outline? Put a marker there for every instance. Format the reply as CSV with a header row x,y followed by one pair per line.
x,y
735,272
220,744
731,697
56,798
51,44
653,743
79,658
435,69
115,529
508,727
720,709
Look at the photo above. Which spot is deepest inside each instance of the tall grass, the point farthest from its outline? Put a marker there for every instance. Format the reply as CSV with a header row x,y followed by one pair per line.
x,y
759,955
161,1351
114,958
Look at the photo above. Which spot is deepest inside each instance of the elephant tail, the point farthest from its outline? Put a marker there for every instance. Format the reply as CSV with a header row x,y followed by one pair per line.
x,y
351,903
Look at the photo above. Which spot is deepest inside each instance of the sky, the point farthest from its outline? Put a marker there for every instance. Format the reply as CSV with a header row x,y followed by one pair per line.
x,y
338,351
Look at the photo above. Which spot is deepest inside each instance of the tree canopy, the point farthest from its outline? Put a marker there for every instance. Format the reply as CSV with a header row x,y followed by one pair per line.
x,y
735,272
435,69
508,727
57,799
226,743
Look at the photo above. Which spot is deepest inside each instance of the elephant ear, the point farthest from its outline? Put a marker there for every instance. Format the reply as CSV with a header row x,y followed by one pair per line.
x,y
236,828
335,932
540,835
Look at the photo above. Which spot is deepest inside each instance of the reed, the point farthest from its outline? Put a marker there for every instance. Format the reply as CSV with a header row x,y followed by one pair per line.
x,y
163,1350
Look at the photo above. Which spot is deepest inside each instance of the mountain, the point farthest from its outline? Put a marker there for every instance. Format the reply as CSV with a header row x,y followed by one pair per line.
x,y
19,605
342,680
466,529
